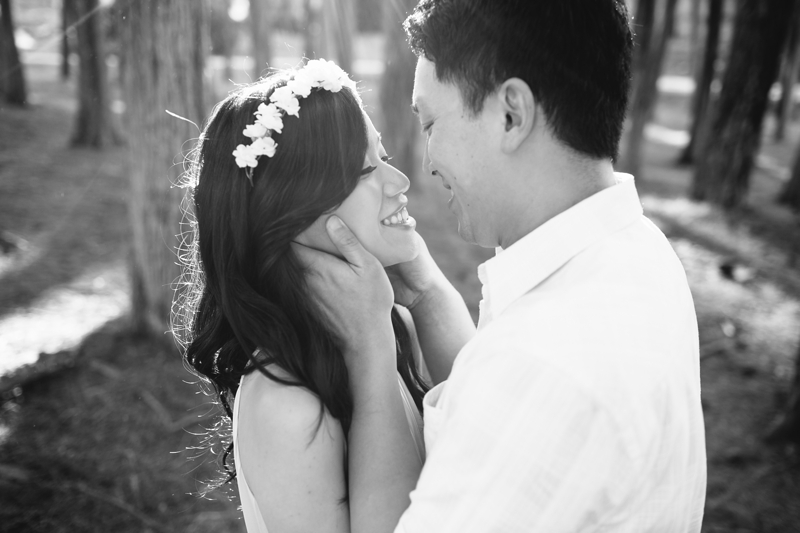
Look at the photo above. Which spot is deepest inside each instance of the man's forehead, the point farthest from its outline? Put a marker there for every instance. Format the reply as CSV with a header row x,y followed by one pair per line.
x,y
424,86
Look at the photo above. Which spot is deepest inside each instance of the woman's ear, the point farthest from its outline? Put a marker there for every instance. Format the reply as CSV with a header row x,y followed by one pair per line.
x,y
520,111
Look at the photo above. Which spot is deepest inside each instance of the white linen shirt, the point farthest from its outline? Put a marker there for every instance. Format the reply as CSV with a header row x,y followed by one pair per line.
x,y
576,406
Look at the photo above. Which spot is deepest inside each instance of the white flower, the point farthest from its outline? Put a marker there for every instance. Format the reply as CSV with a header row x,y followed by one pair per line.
x,y
255,130
304,77
264,146
331,84
290,105
245,157
315,70
300,85
281,93
269,116
347,82
284,98
327,74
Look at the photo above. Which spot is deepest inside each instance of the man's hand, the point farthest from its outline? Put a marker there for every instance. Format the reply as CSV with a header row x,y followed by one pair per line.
x,y
413,280
354,294
441,318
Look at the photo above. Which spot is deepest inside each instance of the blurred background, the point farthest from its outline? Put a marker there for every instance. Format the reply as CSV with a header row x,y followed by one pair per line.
x,y
101,427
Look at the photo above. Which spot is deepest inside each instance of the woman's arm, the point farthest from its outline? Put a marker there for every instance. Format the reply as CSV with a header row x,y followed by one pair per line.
x,y
295,471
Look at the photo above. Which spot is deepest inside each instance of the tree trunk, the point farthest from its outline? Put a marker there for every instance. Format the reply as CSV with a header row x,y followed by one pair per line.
x,y
790,195
165,47
398,123
66,19
313,32
261,16
645,90
642,27
695,33
788,76
703,79
726,157
93,124
339,22
12,77
787,427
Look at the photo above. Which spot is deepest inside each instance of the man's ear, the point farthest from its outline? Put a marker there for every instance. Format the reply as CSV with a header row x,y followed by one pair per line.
x,y
520,112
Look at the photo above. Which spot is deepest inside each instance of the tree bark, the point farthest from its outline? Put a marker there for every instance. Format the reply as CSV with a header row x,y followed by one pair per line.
x,y
66,20
788,76
261,16
695,33
645,90
12,76
790,195
642,27
398,123
722,175
703,79
787,426
93,123
339,22
165,48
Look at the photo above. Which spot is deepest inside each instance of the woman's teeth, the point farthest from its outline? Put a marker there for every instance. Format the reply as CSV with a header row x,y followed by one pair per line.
x,y
401,217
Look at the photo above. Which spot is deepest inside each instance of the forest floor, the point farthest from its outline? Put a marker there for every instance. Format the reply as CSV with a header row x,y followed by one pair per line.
x,y
114,441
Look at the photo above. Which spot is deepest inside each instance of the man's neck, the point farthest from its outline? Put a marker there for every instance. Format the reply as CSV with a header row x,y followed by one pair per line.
x,y
549,187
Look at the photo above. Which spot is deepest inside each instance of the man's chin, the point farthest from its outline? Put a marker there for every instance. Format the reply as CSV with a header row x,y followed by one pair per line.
x,y
465,232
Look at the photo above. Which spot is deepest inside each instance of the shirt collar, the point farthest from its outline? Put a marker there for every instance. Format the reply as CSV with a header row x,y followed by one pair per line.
x,y
529,261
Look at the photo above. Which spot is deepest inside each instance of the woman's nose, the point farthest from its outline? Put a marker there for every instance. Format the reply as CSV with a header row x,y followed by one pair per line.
x,y
395,182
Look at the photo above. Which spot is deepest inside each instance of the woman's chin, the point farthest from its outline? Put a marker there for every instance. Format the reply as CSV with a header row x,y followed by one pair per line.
x,y
398,254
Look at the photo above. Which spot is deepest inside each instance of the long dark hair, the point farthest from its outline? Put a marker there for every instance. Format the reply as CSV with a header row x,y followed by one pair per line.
x,y
244,303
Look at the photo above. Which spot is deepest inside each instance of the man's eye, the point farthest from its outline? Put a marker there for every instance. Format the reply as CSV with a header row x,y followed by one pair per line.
x,y
386,159
426,128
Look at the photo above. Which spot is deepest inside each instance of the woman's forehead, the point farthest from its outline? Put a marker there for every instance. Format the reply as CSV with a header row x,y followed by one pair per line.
x,y
373,135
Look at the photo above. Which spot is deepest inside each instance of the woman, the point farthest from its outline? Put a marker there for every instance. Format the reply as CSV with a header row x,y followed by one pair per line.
x,y
275,160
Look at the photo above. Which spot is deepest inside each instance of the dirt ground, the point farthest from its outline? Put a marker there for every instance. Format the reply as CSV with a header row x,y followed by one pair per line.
x,y
107,445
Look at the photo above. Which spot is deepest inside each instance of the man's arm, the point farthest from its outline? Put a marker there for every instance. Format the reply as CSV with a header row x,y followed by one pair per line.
x,y
442,320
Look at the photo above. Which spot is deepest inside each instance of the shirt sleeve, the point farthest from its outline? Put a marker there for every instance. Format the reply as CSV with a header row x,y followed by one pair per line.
x,y
521,448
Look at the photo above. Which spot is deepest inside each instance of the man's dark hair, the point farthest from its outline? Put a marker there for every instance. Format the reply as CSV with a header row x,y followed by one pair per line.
x,y
574,55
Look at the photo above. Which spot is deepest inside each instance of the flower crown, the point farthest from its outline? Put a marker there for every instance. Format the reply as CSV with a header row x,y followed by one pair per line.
x,y
285,100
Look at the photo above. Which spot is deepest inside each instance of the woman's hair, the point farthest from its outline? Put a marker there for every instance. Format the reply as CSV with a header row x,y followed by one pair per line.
x,y
243,288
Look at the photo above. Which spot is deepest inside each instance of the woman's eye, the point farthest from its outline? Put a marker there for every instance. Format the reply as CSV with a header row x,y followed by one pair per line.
x,y
426,128
367,171
386,159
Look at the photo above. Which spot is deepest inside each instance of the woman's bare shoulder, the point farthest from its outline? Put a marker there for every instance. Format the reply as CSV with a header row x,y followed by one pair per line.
x,y
292,454
271,409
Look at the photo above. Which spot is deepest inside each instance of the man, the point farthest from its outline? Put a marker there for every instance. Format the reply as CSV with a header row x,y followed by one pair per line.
x,y
576,404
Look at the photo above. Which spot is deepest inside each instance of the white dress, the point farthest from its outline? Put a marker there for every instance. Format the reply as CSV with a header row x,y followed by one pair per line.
x,y
252,514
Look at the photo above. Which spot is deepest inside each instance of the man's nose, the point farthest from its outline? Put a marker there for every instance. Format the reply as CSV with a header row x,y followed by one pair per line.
x,y
427,164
